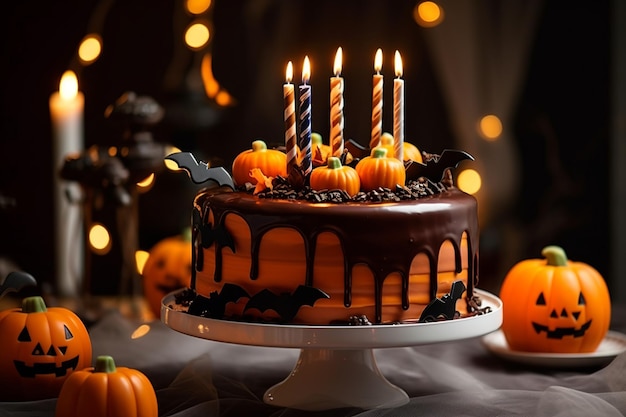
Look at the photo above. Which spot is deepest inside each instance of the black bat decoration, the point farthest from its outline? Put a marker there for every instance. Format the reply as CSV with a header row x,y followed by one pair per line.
x,y
214,305
434,169
357,150
286,305
15,281
444,307
219,234
200,172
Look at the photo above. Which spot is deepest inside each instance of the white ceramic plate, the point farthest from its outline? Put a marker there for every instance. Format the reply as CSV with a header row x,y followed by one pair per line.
x,y
334,337
613,344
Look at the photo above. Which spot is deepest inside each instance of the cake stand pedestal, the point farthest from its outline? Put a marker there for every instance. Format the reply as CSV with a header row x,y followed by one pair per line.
x,y
336,367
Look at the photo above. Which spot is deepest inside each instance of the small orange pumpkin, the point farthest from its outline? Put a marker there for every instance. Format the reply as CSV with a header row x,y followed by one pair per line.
x,y
378,170
167,268
270,161
554,305
412,153
320,152
335,176
41,348
107,391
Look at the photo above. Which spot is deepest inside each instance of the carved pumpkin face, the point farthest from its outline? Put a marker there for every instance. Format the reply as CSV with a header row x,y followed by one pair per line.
x,y
554,305
40,348
168,268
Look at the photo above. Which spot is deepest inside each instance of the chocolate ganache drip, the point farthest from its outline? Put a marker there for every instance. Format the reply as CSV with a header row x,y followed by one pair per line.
x,y
384,236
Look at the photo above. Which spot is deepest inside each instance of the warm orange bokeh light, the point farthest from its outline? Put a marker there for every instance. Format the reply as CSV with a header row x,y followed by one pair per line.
x,y
197,6
469,181
490,127
89,49
197,35
428,14
99,239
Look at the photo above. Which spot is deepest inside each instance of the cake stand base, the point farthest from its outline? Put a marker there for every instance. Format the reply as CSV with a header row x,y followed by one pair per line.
x,y
336,367
355,382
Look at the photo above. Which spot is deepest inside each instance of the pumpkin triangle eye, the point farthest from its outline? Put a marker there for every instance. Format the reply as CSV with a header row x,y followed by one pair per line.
x,y
38,350
68,334
541,301
581,300
24,336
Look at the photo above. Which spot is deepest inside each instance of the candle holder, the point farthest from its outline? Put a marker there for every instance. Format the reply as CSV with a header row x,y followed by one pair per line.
x,y
109,175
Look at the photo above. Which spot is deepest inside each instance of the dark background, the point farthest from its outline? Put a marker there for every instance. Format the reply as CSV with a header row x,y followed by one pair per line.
x,y
562,124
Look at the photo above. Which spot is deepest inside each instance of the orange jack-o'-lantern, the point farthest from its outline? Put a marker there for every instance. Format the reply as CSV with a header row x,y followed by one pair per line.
x,y
40,348
554,305
167,268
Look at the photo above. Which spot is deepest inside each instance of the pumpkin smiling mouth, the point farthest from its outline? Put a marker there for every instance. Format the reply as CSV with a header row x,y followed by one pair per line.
x,y
559,332
26,371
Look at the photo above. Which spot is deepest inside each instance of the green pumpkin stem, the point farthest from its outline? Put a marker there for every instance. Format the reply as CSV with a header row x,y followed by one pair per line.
x,y
316,138
34,304
259,146
379,152
555,255
104,364
333,162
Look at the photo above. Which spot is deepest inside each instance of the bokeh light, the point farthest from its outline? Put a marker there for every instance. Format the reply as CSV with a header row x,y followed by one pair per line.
x,y
99,239
469,181
89,49
490,127
428,14
141,256
197,35
197,6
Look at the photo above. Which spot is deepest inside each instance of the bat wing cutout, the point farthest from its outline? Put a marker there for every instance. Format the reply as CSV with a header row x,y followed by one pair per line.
x,y
214,305
435,168
285,304
199,172
444,307
15,281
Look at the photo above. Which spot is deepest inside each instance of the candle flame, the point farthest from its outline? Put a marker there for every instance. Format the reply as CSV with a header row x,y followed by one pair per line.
x,y
68,87
398,64
338,61
378,61
289,72
306,70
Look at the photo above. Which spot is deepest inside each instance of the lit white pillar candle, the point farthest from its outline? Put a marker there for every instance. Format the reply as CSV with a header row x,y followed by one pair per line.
x,y
290,120
398,109
377,100
336,107
66,113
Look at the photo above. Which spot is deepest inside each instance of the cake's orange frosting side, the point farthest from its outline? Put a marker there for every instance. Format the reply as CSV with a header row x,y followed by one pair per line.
x,y
282,261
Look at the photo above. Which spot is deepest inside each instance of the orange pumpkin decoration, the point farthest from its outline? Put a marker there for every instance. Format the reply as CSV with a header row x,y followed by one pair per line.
x,y
554,305
107,391
386,141
320,152
270,161
412,153
41,348
377,170
335,176
167,268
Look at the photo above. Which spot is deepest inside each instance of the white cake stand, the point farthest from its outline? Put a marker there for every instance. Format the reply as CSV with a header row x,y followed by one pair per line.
x,y
336,367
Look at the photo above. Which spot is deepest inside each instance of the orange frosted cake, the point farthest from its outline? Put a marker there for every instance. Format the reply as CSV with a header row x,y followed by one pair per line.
x,y
269,251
